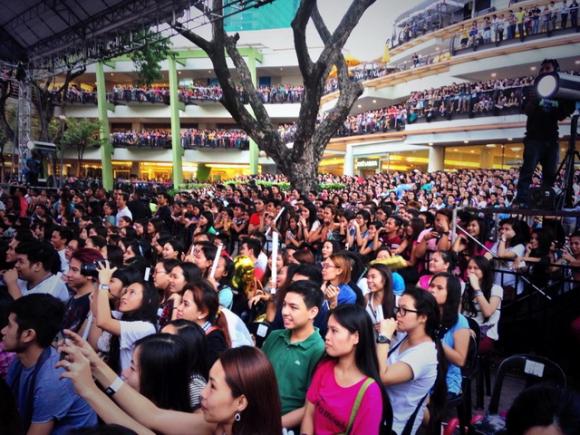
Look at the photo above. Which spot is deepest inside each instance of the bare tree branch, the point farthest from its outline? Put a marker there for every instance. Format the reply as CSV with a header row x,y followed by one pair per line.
x,y
341,35
299,24
300,164
202,43
247,82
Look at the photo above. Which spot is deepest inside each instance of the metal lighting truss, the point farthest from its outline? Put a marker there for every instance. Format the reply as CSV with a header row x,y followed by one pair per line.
x,y
54,36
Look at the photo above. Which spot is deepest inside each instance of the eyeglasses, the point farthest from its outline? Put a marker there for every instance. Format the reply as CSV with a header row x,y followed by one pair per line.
x,y
328,266
403,311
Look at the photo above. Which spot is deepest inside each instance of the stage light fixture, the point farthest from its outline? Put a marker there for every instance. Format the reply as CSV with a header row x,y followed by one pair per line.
x,y
558,85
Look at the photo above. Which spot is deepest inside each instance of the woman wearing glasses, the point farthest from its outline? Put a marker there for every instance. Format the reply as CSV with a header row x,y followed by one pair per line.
x,y
415,366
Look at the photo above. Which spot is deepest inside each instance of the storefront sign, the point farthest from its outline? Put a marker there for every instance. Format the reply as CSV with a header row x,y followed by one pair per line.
x,y
367,164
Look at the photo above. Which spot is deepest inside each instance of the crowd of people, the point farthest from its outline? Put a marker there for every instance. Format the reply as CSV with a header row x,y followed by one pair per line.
x,y
482,98
514,22
190,138
520,22
240,308
120,94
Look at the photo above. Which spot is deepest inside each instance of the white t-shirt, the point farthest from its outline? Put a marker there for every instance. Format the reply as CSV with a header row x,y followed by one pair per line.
x,y
422,359
489,326
376,313
123,212
508,279
54,286
261,262
237,329
130,333
63,261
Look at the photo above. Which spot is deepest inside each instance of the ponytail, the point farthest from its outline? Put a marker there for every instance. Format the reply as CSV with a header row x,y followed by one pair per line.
x,y
438,401
206,298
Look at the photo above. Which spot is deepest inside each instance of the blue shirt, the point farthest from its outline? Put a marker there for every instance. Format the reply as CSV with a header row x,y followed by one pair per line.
x,y
398,284
346,295
453,371
54,399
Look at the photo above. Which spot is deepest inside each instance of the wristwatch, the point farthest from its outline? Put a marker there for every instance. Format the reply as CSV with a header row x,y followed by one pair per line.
x,y
114,387
383,339
104,287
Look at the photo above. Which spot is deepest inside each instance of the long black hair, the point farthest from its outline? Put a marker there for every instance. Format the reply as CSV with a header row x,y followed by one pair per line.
x,y
357,269
388,304
426,305
147,312
483,264
164,371
196,342
521,230
355,319
450,311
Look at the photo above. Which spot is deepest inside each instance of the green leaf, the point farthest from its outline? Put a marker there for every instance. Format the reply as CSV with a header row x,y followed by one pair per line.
x,y
148,58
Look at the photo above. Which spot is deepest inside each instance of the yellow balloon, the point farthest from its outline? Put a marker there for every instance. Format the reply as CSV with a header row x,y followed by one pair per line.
x,y
243,273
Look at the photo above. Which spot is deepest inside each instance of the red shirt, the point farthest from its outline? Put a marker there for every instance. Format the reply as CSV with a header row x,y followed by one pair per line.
x,y
255,219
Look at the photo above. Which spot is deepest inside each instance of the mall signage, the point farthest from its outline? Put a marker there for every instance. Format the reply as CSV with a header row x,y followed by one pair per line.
x,y
367,164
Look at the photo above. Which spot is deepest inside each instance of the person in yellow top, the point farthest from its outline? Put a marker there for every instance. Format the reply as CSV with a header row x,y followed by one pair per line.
x,y
464,36
520,16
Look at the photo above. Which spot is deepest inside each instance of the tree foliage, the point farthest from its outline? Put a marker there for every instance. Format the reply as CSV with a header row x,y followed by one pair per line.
x,y
300,162
148,58
81,134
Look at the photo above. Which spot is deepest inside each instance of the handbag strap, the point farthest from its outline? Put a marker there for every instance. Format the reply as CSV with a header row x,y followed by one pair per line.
x,y
411,422
359,397
396,346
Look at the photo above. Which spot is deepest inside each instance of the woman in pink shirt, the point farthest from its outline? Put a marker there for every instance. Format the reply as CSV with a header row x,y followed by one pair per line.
x,y
346,395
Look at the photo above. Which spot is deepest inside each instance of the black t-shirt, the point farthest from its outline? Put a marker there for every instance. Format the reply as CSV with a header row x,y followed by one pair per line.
x,y
216,344
164,213
139,209
543,116
76,312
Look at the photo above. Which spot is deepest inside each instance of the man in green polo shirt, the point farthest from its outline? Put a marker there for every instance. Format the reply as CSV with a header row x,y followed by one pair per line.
x,y
295,350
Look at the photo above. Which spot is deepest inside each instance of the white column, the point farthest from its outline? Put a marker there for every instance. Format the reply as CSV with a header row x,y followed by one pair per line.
x,y
348,167
436,158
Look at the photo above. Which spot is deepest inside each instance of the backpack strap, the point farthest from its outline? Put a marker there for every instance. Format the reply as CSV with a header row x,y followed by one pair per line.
x,y
359,397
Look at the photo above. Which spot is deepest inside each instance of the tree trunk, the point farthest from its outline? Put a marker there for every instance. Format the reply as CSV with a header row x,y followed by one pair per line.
x,y
300,164
303,175
45,102
80,158
5,91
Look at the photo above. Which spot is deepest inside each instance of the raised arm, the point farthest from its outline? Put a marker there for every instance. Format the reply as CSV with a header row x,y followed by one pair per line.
x,y
398,372
141,409
78,370
104,317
